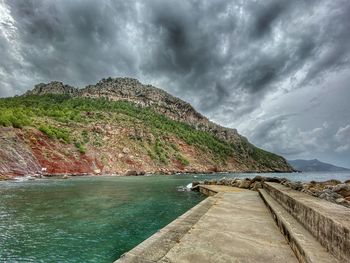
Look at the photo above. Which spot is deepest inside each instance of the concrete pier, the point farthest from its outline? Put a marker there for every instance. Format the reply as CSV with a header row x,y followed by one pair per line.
x,y
273,224
232,226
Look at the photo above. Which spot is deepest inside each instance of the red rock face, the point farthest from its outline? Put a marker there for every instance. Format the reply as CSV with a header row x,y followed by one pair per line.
x,y
16,158
60,158
29,152
26,152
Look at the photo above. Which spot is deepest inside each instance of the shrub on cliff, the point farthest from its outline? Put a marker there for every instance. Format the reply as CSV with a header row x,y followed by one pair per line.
x,y
81,148
16,119
55,133
182,160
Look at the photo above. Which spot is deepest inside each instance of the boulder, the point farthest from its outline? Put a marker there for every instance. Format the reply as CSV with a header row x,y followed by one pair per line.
x,y
237,182
221,181
257,178
339,200
273,179
331,182
245,184
256,185
141,173
4,177
342,189
233,181
296,186
131,173
228,182
329,195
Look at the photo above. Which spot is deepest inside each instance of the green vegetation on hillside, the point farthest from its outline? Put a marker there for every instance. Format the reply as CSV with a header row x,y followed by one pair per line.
x,y
56,116
13,116
263,157
57,133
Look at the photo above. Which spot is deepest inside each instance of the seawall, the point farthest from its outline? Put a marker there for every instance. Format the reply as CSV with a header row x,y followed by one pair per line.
x,y
272,223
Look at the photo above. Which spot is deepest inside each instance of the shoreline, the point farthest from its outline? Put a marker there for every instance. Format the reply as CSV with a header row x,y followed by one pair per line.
x,y
305,177
6,177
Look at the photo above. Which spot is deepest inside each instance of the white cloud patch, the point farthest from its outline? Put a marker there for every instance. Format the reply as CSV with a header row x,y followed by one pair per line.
x,y
343,137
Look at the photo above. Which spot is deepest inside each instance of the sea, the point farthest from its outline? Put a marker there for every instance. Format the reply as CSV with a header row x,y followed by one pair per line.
x,y
98,218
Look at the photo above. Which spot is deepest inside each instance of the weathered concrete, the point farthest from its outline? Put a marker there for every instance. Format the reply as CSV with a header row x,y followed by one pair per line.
x,y
304,245
237,227
155,247
211,190
329,223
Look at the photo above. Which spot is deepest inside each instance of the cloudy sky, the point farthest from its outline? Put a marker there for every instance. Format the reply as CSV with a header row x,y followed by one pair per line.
x,y
278,71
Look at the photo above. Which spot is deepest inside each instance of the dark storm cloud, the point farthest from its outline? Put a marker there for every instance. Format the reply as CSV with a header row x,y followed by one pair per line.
x,y
76,41
197,44
264,16
225,57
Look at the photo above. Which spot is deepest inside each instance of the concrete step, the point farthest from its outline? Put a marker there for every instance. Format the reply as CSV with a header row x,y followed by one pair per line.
x,y
304,245
329,223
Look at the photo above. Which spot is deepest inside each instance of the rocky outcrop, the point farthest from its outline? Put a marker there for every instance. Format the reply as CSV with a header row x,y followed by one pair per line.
x,y
331,190
54,87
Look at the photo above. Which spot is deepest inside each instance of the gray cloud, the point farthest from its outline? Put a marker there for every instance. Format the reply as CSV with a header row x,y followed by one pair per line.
x,y
265,15
231,59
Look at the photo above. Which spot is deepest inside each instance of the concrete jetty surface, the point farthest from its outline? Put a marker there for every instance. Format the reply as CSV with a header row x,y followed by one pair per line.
x,y
231,226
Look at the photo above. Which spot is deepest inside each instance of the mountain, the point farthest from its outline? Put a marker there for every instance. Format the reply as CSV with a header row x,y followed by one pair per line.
x,y
315,166
118,126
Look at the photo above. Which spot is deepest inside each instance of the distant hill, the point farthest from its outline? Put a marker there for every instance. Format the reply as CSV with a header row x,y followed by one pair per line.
x,y
315,166
118,126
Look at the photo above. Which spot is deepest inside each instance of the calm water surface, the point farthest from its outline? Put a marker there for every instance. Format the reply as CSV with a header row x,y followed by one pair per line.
x,y
95,219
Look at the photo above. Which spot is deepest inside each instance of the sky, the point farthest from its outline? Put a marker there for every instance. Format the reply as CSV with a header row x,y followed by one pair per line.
x,y
277,70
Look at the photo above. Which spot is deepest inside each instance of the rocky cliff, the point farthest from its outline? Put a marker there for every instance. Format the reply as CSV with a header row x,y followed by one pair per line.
x,y
132,90
118,126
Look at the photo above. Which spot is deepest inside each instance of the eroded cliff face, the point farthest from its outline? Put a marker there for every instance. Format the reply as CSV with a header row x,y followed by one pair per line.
x,y
16,156
28,151
62,140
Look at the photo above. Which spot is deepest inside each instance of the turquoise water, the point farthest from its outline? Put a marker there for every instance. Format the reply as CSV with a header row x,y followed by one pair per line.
x,y
86,219
94,219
